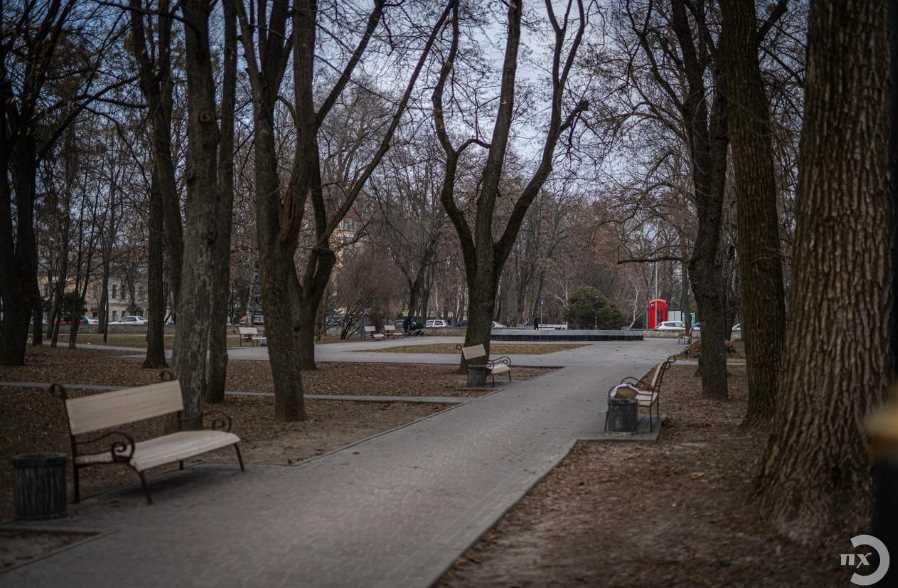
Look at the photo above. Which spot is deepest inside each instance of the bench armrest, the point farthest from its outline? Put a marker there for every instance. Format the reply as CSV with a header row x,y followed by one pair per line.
x,y
501,359
121,449
218,421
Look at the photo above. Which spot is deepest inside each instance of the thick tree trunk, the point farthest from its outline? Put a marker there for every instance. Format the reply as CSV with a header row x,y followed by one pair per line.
x,y
19,255
277,271
481,306
815,475
197,284
155,357
760,256
218,334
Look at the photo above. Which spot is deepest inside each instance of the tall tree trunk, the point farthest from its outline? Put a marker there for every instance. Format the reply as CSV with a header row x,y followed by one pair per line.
x,y
760,256
155,357
276,242
18,256
197,282
218,335
707,137
815,475
154,68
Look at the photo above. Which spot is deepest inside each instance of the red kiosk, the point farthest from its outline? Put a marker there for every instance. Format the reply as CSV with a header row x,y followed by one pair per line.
x,y
657,312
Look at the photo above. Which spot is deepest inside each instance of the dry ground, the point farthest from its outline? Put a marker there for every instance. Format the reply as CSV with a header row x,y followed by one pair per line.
x,y
673,513
33,421
363,379
495,348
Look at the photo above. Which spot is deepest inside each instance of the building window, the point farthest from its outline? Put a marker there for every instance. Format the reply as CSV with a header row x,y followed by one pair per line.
x,y
115,315
114,291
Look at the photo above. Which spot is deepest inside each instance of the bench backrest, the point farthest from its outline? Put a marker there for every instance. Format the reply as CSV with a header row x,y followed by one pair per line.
x,y
473,352
248,330
110,409
389,328
370,329
659,374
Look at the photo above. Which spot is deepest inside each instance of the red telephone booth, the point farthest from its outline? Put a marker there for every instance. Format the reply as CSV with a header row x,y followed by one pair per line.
x,y
657,312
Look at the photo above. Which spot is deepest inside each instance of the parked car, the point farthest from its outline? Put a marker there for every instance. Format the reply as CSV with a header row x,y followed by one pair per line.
x,y
435,324
137,321
671,326
89,320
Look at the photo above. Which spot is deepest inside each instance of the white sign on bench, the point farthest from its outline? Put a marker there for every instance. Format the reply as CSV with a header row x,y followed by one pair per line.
x,y
96,412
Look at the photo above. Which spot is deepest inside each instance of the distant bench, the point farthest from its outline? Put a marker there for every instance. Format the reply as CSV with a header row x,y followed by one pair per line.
x,y
249,334
371,331
89,414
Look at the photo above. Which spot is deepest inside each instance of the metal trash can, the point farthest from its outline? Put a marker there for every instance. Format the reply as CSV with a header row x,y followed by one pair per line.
x,y
623,415
40,490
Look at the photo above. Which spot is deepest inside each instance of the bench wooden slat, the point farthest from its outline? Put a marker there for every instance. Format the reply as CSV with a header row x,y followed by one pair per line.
x,y
110,409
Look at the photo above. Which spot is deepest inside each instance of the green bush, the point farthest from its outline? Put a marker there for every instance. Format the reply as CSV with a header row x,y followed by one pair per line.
x,y
588,309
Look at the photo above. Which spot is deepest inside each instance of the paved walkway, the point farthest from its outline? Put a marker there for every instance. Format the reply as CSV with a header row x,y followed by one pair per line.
x,y
373,352
395,510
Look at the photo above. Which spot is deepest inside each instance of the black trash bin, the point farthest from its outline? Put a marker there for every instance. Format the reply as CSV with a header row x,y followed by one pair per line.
x,y
623,415
40,491
477,375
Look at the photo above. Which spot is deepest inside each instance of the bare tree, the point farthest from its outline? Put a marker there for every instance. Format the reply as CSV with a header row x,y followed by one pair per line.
x,y
153,56
484,255
815,474
290,325
760,255
200,234
31,62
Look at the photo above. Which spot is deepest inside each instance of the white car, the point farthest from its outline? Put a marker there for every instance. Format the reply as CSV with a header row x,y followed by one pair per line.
x,y
90,320
130,320
671,326
435,324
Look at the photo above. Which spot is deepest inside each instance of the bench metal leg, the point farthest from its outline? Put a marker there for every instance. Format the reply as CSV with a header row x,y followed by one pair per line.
x,y
239,457
146,489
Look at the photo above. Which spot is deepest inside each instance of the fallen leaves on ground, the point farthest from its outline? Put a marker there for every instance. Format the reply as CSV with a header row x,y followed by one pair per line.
x,y
673,513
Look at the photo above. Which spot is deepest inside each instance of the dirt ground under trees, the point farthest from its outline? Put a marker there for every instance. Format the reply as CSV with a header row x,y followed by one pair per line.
x,y
116,369
672,513
31,420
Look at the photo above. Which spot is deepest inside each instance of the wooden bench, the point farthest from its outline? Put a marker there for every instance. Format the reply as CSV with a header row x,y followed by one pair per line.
x,y
500,365
249,334
371,331
647,392
99,412
390,331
